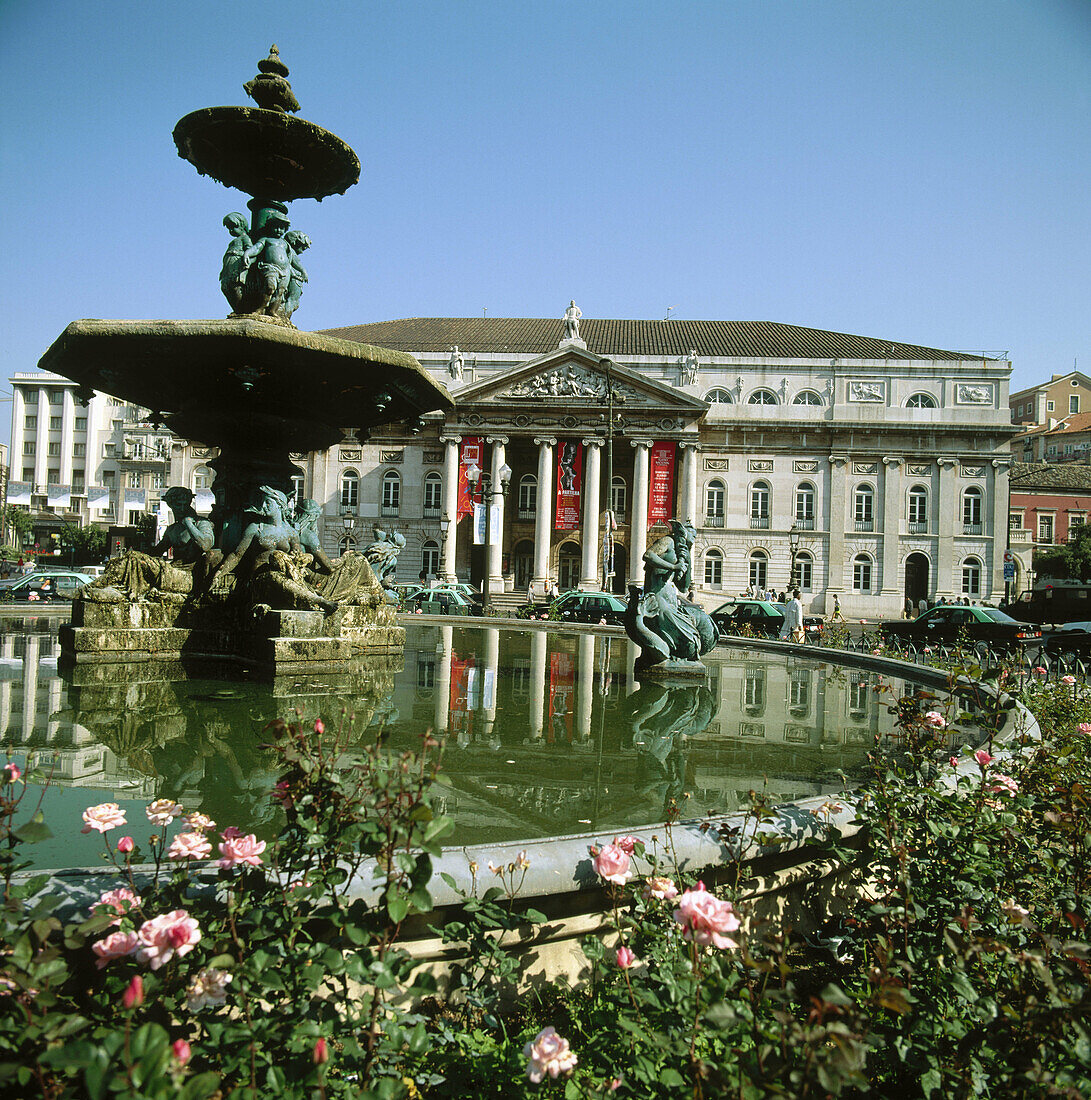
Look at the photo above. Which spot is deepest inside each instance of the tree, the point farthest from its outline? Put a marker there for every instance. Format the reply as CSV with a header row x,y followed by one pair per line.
x,y
1068,562
87,544
19,523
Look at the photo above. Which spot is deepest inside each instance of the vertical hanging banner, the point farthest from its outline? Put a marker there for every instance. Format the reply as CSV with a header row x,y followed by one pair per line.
x,y
562,694
569,482
480,517
470,454
661,483
460,720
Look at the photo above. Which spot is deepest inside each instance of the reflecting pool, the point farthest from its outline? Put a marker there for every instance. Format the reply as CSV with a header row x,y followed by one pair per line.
x,y
545,734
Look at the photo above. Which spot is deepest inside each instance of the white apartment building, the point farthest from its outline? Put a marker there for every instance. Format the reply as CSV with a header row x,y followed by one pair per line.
x,y
76,462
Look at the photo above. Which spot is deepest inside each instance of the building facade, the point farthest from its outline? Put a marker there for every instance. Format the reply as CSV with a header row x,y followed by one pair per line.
x,y
1045,404
871,471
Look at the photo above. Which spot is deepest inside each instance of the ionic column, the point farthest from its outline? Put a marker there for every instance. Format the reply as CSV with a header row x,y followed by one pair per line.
x,y
998,502
892,525
950,514
444,652
835,565
585,686
592,451
495,505
537,683
450,505
689,482
68,424
543,520
489,680
638,531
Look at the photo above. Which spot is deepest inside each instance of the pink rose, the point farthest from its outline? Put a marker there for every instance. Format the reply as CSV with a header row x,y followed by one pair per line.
x,y
1085,727
200,823
627,843
612,863
134,994
934,719
625,957
319,728
190,846
1014,912
659,887
983,758
181,1051
117,901
1039,670
125,844
282,793
953,761
208,988
163,811
12,773
103,818
115,946
1068,679
1003,784
321,1054
161,938
231,832
706,919
549,1053
241,849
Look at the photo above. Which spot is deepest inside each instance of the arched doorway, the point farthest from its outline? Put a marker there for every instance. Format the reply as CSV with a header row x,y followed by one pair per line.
x,y
522,562
916,579
568,566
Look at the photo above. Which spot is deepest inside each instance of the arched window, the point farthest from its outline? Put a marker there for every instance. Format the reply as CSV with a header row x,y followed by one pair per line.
x,y
719,397
202,478
804,516
807,397
918,510
971,577
972,511
759,505
350,489
715,502
392,494
528,496
433,495
714,568
429,558
762,397
759,569
861,573
346,543
863,508
618,497
804,571
921,401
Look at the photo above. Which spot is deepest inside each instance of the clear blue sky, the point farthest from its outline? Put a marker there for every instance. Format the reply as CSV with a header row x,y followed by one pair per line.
x,y
915,171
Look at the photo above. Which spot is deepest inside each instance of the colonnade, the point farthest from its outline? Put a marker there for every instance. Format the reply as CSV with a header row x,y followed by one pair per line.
x,y
592,506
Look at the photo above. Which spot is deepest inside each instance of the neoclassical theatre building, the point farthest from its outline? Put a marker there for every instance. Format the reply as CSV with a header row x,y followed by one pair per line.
x,y
878,469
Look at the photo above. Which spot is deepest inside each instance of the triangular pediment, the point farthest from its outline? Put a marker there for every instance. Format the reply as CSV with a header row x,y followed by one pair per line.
x,y
575,377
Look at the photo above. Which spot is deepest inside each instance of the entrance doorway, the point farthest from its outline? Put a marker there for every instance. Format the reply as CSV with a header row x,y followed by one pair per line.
x,y
916,579
619,567
568,566
522,560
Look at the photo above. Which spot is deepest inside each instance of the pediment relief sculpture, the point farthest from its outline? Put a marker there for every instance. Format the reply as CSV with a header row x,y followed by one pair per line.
x,y
570,380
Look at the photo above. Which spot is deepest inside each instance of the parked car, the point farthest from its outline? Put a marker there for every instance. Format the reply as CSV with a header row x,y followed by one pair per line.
x,y
951,623
762,617
466,591
43,584
588,607
438,601
1072,639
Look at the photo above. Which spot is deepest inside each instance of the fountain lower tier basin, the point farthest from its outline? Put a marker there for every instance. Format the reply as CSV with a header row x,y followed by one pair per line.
x,y
273,642
244,381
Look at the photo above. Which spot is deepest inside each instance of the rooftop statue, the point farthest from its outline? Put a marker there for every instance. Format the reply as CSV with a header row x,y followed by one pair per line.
x,y
572,317
665,626
454,364
689,369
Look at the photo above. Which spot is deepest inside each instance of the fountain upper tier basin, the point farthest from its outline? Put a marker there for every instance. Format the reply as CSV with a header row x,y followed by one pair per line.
x,y
247,369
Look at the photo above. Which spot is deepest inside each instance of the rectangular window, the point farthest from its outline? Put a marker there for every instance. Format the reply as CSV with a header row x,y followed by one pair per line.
x,y
31,397
28,446
135,479
53,449
1075,522
28,473
53,477
31,423
56,397
861,575
1045,529
107,477
81,423
1074,403
804,574
1049,406
79,450
432,492
1015,521
157,481
108,449
55,423
77,484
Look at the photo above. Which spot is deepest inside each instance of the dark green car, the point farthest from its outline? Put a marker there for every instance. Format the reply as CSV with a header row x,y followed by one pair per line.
x,y
588,607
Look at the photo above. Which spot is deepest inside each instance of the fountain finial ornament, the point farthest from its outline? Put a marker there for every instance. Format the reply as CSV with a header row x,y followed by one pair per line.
x,y
270,89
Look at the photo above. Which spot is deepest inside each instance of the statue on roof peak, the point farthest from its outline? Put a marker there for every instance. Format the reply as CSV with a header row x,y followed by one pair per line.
x,y
572,317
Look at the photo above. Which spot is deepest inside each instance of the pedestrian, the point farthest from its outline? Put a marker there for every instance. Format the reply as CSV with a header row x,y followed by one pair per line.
x,y
553,591
837,608
792,630
907,611
922,606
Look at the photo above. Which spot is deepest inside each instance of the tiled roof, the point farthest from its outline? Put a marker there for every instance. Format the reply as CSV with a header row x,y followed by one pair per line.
x,y
1027,476
538,335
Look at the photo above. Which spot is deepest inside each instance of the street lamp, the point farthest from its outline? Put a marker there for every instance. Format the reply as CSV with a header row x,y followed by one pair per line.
x,y
793,546
480,495
444,530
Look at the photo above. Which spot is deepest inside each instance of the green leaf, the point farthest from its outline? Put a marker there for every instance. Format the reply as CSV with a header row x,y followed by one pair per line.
x,y
33,831
397,907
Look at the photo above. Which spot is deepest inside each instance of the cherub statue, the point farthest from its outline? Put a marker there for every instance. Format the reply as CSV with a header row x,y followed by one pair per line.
x,y
298,242
233,271
271,263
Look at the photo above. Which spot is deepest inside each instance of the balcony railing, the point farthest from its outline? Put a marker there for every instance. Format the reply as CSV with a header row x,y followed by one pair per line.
x,y
389,510
915,528
1020,534
714,521
973,529
759,523
432,512
804,523
526,513
864,525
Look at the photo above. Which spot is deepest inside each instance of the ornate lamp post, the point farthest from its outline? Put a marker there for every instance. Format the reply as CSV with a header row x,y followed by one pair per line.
x,y
480,494
444,530
793,546
349,521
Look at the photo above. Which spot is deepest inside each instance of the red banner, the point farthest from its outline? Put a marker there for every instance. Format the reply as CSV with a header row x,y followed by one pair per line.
x,y
460,716
661,487
562,696
569,482
470,454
